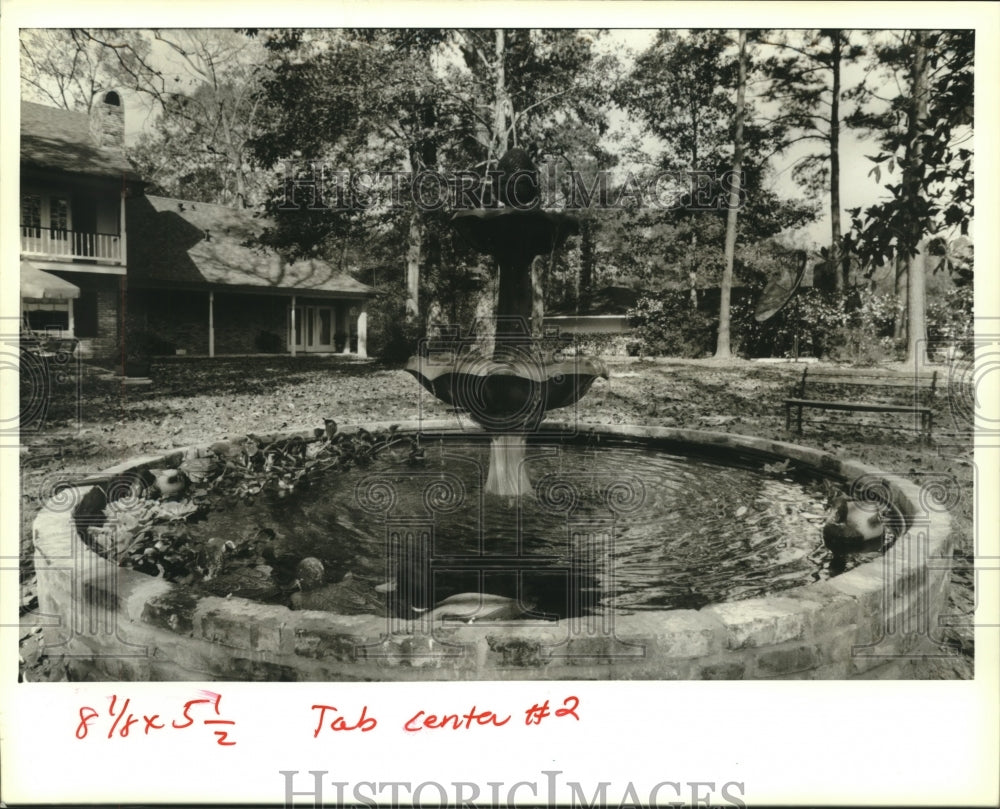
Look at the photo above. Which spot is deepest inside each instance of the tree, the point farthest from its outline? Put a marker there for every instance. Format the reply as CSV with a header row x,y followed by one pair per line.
x,y
924,129
722,350
345,101
686,89
544,90
806,81
680,88
413,101
68,68
198,148
201,85
208,111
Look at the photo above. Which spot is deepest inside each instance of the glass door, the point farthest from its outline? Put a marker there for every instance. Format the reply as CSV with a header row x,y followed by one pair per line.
x,y
314,327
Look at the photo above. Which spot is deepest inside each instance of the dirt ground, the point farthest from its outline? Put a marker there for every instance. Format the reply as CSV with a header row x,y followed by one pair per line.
x,y
87,421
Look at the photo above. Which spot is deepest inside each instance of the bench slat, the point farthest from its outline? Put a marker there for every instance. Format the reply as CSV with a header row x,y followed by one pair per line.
x,y
867,385
875,382
873,406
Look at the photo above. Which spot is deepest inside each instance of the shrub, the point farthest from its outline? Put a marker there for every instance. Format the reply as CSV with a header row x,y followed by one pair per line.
x,y
599,344
390,337
811,315
142,344
866,335
667,325
950,320
267,342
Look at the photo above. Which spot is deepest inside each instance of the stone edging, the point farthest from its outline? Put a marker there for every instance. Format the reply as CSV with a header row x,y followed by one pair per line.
x,y
843,627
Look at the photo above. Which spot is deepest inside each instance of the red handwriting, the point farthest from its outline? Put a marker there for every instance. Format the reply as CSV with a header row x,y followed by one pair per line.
x,y
333,719
123,721
425,721
364,723
120,719
536,713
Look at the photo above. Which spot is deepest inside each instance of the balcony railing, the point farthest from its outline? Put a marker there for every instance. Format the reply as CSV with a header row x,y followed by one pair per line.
x,y
70,244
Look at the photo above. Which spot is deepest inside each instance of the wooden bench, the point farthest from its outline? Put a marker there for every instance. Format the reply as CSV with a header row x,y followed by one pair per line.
x,y
919,406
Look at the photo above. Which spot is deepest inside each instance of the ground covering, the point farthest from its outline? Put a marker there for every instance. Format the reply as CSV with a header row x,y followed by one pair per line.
x,y
90,420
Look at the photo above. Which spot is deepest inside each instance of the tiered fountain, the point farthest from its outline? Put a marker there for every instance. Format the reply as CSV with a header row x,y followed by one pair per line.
x,y
691,587
508,390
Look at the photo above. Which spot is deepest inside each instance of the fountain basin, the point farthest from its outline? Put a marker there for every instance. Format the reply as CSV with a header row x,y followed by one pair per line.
x,y
507,394
873,621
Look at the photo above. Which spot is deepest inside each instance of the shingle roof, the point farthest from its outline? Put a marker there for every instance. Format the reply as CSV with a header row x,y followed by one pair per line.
x,y
53,138
175,242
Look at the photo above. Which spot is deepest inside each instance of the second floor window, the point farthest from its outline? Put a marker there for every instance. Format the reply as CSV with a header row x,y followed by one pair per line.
x,y
59,217
31,214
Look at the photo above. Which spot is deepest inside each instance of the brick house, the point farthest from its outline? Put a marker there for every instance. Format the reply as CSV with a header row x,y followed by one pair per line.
x,y
195,286
74,181
185,280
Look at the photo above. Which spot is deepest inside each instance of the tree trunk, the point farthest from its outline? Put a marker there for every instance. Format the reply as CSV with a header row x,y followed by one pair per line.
x,y
413,248
484,318
500,101
723,349
538,267
693,271
901,279
241,187
916,332
487,296
435,317
916,324
840,265
586,263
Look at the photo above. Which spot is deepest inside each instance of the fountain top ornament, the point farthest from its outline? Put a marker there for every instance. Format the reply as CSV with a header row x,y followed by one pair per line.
x,y
509,390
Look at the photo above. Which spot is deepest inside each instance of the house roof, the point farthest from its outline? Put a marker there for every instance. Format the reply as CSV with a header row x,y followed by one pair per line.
x,y
179,243
59,139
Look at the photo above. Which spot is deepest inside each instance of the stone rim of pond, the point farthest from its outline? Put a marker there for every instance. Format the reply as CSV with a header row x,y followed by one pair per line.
x,y
842,627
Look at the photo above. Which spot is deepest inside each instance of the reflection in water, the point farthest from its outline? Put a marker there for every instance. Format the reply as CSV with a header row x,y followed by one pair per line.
x,y
620,527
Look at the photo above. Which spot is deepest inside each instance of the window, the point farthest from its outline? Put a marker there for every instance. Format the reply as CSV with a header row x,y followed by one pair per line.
x,y
48,320
59,217
46,315
325,327
31,215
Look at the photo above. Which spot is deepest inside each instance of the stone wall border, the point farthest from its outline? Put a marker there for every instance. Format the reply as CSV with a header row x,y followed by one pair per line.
x,y
873,621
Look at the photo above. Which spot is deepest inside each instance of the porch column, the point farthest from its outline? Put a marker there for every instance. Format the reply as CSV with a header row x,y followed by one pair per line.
x,y
291,334
211,324
347,326
71,326
122,247
363,330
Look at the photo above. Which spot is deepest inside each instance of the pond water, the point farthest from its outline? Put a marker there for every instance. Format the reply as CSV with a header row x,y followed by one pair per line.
x,y
626,527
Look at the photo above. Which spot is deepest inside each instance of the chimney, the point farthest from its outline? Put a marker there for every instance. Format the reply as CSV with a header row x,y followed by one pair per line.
x,y
107,121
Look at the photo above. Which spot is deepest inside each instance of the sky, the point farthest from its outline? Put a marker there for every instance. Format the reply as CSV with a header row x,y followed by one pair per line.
x,y
857,187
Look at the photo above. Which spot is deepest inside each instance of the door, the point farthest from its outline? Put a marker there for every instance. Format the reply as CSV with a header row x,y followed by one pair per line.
x,y
314,326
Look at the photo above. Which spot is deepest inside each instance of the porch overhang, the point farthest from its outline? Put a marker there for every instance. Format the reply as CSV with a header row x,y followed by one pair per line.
x,y
40,285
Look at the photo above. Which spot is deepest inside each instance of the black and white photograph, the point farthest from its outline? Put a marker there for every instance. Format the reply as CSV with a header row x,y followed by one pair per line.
x,y
384,356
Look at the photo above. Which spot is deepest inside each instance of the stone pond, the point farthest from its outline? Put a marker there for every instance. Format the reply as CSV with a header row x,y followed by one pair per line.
x,y
873,620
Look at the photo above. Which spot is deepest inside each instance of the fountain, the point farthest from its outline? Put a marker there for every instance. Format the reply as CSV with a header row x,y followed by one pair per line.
x,y
869,618
509,390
